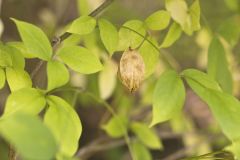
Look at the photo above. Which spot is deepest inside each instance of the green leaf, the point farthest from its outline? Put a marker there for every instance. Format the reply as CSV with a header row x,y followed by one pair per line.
x,y
80,59
22,48
146,135
27,100
189,19
173,34
195,14
225,108
18,79
178,10
108,74
29,136
158,20
168,97
140,152
57,73
116,127
5,57
202,78
109,35
14,56
73,39
192,22
128,36
234,148
34,39
150,56
218,65
18,60
64,124
82,25
2,78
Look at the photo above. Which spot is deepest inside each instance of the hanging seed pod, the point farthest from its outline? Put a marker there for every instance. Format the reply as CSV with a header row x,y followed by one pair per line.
x,y
131,69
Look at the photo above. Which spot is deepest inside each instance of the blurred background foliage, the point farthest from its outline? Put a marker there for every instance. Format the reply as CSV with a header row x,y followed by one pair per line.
x,y
192,133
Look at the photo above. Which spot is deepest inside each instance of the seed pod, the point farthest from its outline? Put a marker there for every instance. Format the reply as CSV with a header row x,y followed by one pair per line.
x,y
131,69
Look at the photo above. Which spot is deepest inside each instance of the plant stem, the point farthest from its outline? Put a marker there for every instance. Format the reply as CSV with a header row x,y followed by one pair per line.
x,y
163,56
57,40
12,154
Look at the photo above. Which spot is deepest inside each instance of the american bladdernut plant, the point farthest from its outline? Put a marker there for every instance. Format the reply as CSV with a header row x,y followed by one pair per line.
x,y
40,122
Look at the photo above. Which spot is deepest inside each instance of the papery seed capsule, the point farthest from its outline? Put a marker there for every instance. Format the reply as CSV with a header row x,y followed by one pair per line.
x,y
131,69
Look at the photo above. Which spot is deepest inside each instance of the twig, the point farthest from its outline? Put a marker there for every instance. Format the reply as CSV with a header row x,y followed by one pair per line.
x,y
97,146
179,154
12,154
105,143
58,40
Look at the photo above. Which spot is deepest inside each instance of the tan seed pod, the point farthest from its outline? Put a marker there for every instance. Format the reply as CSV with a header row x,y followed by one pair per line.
x,y
131,69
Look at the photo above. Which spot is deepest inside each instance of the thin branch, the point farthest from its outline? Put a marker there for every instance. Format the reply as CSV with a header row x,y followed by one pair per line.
x,y
36,69
94,13
105,143
12,154
57,40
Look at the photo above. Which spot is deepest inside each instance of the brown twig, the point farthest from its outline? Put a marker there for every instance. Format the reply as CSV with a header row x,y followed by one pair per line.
x,y
106,143
58,40
12,154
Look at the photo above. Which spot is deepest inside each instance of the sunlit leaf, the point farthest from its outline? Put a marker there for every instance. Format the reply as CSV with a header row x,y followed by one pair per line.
x,y
168,97
29,136
109,35
178,10
146,135
109,75
189,19
202,78
34,39
15,55
27,100
192,22
57,73
64,124
225,107
158,20
18,79
128,36
218,65
194,12
73,39
80,59
5,57
234,148
140,152
150,56
2,78
116,127
82,25
22,48
173,34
